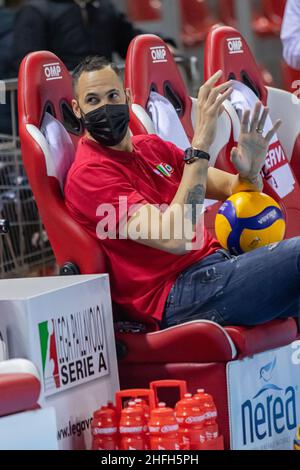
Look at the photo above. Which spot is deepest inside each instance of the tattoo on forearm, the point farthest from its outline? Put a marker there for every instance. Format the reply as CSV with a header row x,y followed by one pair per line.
x,y
195,197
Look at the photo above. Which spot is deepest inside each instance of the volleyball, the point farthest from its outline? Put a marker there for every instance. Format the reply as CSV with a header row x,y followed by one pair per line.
x,y
297,440
249,220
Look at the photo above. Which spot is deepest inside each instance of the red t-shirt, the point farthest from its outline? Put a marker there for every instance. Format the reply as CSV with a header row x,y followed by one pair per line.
x,y
141,277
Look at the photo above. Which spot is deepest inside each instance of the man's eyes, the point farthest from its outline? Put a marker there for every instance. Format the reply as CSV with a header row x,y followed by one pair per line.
x,y
93,101
112,96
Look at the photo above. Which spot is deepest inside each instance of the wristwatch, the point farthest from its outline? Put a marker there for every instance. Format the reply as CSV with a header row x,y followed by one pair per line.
x,y
191,155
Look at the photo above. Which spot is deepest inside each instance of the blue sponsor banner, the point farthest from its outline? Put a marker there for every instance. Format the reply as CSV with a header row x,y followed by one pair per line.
x,y
264,399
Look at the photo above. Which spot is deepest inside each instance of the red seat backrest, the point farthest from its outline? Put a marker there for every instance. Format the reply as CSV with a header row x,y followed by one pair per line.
x,y
227,12
266,20
226,49
45,85
196,21
274,10
151,67
223,52
144,10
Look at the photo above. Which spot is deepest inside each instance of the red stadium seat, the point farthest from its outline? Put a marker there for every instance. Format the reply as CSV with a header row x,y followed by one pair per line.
x,y
227,13
144,10
265,22
274,10
159,72
45,85
19,386
227,16
242,67
268,21
196,21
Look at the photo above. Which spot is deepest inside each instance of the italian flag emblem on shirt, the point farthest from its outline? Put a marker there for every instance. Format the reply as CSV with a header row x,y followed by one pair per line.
x,y
165,169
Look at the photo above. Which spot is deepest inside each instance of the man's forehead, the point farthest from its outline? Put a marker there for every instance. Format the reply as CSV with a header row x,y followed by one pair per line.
x,y
98,80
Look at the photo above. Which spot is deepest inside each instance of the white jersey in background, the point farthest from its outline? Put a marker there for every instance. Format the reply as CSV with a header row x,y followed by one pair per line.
x,y
290,34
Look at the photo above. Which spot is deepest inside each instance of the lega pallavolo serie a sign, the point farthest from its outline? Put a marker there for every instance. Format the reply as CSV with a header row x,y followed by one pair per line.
x,y
64,325
73,349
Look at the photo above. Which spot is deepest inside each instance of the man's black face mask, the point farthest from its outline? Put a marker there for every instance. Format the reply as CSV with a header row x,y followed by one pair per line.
x,y
107,124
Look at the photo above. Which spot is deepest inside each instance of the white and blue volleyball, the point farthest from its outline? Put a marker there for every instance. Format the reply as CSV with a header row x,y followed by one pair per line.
x,y
249,220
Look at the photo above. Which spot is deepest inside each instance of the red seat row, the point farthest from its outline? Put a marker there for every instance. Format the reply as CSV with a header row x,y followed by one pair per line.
x,y
197,17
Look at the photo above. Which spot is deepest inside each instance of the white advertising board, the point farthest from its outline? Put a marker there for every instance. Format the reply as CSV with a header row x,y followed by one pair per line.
x,y
64,326
264,399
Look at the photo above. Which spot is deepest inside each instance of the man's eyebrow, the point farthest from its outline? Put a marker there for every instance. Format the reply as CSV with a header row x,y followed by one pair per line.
x,y
95,94
112,91
91,94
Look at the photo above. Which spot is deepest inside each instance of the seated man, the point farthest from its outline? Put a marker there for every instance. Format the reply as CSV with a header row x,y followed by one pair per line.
x,y
116,188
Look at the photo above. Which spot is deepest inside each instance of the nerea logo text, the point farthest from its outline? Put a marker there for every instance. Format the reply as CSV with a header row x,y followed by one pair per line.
x,y
271,411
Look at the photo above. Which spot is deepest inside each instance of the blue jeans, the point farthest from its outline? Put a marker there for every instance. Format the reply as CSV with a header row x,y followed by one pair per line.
x,y
249,289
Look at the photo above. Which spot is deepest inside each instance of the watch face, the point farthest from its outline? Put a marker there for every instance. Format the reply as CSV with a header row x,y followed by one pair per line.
x,y
188,154
191,154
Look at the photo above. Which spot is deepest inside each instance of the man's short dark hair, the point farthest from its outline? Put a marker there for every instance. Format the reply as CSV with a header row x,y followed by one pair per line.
x,y
89,64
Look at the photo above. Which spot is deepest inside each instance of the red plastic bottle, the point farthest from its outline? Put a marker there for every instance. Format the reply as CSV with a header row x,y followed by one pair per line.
x,y
210,423
111,406
200,396
190,417
132,428
145,415
163,429
145,406
105,429
211,427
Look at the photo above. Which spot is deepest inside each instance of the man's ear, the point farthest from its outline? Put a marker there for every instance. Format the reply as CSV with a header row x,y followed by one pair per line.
x,y
128,97
76,109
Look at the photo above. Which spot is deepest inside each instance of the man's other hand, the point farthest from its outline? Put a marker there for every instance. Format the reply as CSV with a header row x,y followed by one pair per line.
x,y
209,106
249,156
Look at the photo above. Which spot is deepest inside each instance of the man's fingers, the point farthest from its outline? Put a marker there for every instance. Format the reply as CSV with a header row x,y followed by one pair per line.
x,y
273,131
234,157
262,122
255,117
245,121
214,79
215,92
221,98
221,110
208,85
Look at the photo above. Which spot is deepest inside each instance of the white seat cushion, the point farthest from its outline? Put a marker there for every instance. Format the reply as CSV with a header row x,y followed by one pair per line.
x,y
61,149
166,121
